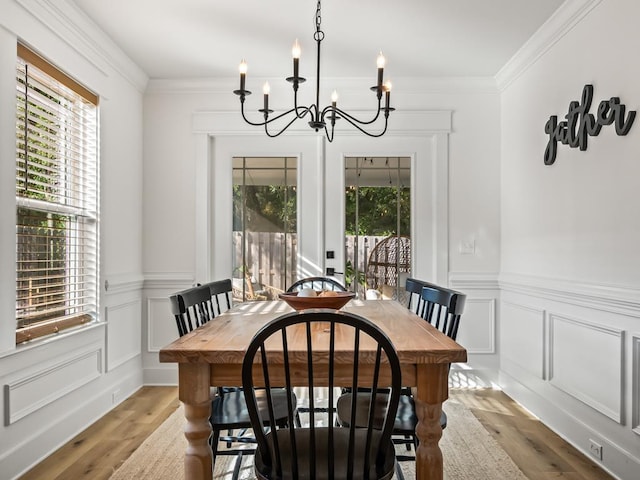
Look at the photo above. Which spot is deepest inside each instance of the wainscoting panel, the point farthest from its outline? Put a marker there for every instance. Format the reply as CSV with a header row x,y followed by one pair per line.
x,y
123,332
162,328
478,325
635,374
586,362
35,388
523,337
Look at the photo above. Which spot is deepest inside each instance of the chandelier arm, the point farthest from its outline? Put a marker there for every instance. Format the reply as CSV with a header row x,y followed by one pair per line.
x,y
259,124
386,118
273,135
326,132
353,120
296,107
297,116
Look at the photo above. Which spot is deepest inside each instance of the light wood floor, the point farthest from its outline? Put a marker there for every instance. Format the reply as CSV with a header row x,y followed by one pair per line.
x,y
98,451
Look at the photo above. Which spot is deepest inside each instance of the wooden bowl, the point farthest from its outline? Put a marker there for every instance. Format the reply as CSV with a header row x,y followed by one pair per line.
x,y
335,302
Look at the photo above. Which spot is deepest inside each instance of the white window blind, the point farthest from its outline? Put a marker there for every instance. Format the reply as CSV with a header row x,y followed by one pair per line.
x,y
56,199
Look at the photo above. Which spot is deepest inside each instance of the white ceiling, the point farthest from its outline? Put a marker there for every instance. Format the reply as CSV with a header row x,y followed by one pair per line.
x,y
420,38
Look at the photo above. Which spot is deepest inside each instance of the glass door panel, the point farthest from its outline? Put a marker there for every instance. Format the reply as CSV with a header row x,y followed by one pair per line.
x,y
264,226
377,225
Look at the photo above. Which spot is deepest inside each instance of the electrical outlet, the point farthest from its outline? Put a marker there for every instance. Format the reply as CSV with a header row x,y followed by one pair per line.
x,y
595,449
115,396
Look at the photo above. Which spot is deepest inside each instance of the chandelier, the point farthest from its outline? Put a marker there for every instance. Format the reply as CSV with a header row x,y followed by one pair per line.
x,y
326,117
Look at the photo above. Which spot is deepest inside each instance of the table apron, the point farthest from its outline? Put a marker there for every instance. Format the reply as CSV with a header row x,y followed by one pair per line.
x,y
231,375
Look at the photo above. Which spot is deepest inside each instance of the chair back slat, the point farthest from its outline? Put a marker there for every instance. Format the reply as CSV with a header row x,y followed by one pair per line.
x,y
414,287
221,293
313,447
195,306
443,308
317,283
191,308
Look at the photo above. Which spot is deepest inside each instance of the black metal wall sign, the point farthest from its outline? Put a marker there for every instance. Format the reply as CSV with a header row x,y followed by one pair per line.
x,y
579,123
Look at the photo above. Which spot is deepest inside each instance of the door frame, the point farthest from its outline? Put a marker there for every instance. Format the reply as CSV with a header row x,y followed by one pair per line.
x,y
421,135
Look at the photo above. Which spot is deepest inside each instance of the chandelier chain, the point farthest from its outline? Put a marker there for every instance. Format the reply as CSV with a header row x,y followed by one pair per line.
x,y
319,35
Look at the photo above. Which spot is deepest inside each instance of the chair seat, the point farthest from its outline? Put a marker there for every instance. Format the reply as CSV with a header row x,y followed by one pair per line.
x,y
321,454
230,410
405,421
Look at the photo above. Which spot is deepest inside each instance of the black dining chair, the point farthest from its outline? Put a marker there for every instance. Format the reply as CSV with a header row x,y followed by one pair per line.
x,y
287,345
414,287
193,308
317,283
441,307
221,292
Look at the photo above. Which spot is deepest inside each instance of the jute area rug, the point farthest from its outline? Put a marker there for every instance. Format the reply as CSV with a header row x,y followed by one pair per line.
x,y
469,452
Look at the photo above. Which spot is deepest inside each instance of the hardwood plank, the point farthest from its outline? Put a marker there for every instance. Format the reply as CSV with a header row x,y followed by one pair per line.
x,y
538,451
96,452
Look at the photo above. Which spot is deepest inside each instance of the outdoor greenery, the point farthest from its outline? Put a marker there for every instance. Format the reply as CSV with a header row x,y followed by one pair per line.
x,y
377,211
267,208
273,208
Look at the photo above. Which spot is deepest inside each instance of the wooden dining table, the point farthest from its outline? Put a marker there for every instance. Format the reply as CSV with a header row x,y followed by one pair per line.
x,y
212,355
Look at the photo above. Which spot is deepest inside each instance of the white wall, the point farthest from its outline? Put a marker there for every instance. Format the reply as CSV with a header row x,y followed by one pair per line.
x,y
56,387
570,310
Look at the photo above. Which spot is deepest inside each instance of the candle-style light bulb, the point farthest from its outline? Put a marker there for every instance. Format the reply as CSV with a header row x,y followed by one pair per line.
x,y
380,62
334,101
387,95
295,52
266,89
243,74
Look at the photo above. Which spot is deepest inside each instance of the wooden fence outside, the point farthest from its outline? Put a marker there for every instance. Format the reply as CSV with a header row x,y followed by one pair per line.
x,y
270,263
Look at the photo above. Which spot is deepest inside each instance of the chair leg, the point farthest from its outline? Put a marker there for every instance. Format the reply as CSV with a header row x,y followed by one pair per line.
x,y
399,473
236,468
297,420
214,445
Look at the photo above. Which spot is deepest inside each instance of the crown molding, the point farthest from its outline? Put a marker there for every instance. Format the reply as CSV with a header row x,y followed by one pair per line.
x,y
65,19
568,15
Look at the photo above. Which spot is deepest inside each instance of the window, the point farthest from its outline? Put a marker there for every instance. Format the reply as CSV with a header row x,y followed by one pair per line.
x,y
56,200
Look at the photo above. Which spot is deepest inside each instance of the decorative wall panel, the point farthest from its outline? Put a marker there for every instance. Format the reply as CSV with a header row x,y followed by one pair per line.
x,y
162,328
123,332
477,329
37,388
523,337
586,362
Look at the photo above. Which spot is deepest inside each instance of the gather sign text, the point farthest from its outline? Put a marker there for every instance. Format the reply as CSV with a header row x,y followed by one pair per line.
x,y
579,123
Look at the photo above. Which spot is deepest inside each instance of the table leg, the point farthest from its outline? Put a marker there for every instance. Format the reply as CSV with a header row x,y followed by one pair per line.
x,y
431,391
193,387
